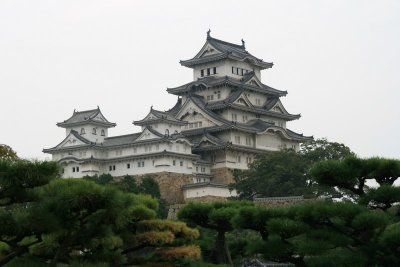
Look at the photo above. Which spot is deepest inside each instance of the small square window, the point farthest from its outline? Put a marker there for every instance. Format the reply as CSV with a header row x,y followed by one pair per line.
x,y
128,166
73,169
181,163
77,169
202,73
208,71
215,70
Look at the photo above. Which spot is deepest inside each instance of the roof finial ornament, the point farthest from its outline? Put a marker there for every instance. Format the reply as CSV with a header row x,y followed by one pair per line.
x,y
151,108
243,43
74,111
98,107
208,33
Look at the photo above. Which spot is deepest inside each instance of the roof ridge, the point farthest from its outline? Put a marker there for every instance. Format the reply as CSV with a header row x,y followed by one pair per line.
x,y
124,135
84,111
225,42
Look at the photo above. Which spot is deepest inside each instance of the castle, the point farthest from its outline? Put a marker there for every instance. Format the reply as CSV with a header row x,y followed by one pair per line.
x,y
221,121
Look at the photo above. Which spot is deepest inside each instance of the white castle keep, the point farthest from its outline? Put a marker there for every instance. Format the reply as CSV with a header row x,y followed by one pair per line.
x,y
221,121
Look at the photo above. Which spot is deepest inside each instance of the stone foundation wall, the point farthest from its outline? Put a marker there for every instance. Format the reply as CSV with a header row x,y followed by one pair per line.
x,y
170,184
206,199
222,175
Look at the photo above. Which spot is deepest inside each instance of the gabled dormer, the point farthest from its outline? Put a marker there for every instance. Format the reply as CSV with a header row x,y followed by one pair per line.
x,y
72,140
90,124
220,58
162,121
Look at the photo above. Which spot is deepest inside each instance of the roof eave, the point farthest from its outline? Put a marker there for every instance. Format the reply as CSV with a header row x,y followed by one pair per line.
x,y
67,125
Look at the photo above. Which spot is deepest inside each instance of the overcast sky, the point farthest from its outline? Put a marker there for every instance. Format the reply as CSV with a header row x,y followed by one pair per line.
x,y
338,60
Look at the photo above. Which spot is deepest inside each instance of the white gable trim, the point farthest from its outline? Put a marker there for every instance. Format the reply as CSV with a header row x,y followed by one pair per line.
x,y
147,134
70,141
206,47
281,108
190,107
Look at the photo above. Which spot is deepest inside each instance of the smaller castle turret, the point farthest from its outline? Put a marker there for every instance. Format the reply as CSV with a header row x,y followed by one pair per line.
x,y
90,124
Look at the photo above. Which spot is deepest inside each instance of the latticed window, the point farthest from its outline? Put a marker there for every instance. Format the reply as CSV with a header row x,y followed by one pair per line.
x,y
94,131
103,133
82,130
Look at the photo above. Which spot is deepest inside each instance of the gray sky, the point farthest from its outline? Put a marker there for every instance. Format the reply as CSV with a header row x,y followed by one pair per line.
x,y
337,59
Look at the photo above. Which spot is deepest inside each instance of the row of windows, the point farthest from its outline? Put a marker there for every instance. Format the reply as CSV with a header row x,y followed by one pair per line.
x,y
194,125
202,169
248,140
217,93
248,159
201,180
94,131
174,163
75,169
234,116
140,164
208,71
239,71
128,165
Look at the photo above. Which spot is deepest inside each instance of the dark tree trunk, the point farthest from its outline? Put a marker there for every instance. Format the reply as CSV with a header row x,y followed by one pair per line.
x,y
220,248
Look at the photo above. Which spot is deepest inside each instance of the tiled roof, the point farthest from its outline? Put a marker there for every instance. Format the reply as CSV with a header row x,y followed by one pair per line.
x,y
120,140
226,50
175,109
253,126
77,136
213,81
85,117
265,109
160,116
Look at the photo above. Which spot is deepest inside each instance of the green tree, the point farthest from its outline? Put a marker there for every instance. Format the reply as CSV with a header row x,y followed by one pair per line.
x,y
76,220
286,172
6,152
217,217
320,234
103,179
321,149
150,187
128,184
364,232
279,173
18,180
352,173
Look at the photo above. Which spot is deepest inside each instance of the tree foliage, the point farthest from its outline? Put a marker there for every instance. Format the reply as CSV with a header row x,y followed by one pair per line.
x,y
275,174
286,172
217,217
314,234
6,152
76,220
364,232
321,149
352,174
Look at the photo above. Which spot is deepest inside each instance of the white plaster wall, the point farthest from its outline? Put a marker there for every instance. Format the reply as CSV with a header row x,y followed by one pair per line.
x,y
269,141
98,138
162,127
277,121
223,91
208,191
243,65
224,68
252,96
221,70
